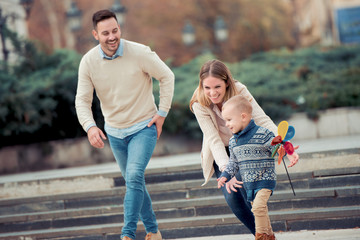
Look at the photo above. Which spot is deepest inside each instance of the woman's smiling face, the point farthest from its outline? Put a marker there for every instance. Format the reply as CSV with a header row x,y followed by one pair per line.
x,y
215,89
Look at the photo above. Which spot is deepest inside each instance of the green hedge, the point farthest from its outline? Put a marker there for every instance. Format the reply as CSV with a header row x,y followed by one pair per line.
x,y
37,94
306,80
282,81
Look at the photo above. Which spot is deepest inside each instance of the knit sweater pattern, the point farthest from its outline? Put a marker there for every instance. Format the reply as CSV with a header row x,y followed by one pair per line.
x,y
213,148
250,153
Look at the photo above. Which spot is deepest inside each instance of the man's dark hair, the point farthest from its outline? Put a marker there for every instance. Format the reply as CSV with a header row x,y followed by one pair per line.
x,y
102,15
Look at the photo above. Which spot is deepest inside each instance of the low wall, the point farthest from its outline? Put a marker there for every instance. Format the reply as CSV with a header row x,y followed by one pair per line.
x,y
331,123
78,152
51,155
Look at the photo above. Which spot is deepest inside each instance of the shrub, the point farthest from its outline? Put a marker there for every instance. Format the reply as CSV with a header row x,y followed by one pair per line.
x,y
37,95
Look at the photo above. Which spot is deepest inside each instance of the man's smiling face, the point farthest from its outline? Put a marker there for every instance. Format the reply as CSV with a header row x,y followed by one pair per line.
x,y
108,34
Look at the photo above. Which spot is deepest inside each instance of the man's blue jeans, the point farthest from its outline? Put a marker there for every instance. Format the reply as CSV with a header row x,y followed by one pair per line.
x,y
133,154
238,203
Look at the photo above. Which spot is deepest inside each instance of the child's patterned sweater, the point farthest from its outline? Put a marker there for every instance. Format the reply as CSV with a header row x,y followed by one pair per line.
x,y
250,153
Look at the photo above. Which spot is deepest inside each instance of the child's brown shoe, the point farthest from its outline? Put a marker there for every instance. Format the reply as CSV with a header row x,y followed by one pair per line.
x,y
261,236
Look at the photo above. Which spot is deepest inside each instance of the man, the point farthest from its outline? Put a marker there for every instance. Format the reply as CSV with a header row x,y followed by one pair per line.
x,y
121,73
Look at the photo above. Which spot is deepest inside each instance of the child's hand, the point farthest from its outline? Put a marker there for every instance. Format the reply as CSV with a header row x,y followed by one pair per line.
x,y
294,158
221,181
233,184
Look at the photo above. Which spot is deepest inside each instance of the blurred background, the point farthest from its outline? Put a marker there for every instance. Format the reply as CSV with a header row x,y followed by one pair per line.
x,y
299,58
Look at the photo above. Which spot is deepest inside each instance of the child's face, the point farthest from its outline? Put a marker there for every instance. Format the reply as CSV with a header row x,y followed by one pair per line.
x,y
235,120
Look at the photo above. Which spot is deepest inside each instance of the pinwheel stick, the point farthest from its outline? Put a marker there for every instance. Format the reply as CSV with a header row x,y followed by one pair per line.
x,y
288,176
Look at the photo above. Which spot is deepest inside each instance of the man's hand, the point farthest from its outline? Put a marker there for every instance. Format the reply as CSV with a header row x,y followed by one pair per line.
x,y
232,184
159,122
95,136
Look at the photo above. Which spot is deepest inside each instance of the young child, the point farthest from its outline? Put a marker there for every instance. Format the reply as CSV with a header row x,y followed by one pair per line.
x,y
250,153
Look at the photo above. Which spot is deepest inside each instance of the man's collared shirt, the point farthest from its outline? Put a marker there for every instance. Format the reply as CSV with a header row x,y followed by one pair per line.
x,y
119,52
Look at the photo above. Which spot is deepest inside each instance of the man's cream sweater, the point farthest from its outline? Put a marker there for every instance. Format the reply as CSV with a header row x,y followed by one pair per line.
x,y
123,85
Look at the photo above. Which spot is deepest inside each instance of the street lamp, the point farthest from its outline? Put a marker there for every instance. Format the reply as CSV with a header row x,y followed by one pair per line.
x,y
74,17
188,34
5,51
221,31
26,4
119,11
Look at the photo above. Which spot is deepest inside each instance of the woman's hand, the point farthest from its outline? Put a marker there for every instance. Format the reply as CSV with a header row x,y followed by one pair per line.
x,y
233,184
294,158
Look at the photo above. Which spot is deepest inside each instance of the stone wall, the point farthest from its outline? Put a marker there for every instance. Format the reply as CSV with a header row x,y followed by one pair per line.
x,y
78,152
331,123
52,155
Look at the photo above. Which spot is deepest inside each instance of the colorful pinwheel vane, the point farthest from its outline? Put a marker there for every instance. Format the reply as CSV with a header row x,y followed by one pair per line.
x,y
283,146
281,141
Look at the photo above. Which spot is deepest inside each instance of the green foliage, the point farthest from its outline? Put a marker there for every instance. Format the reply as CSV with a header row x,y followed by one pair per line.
x,y
282,82
309,80
37,94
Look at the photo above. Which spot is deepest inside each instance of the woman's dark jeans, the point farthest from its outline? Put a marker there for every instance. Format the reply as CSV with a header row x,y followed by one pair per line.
x,y
238,204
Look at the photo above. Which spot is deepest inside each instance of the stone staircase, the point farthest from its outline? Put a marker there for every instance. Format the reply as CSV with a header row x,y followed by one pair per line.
x,y
325,199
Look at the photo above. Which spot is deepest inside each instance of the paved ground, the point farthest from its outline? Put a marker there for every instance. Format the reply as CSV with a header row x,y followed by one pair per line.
x,y
191,159
181,160
342,234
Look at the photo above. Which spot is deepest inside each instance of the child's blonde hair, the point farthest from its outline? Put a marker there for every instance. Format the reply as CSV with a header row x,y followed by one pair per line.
x,y
240,103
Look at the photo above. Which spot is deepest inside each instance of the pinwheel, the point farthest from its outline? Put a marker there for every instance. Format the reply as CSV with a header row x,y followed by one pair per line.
x,y
283,146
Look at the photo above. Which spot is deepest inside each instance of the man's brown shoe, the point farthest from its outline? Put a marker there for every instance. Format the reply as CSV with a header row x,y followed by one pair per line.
x,y
126,238
153,236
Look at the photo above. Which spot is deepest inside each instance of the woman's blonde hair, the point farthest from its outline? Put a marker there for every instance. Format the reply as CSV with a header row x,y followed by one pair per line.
x,y
217,69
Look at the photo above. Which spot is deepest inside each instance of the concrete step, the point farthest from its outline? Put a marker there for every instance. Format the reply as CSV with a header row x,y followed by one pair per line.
x,y
180,208
332,234
303,199
341,217
160,169
187,189
325,198
171,191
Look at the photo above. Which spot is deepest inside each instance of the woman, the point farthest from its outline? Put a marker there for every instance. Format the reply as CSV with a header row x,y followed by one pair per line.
x,y
216,86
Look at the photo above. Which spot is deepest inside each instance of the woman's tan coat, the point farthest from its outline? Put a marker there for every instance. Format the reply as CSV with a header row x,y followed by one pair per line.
x,y
212,146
